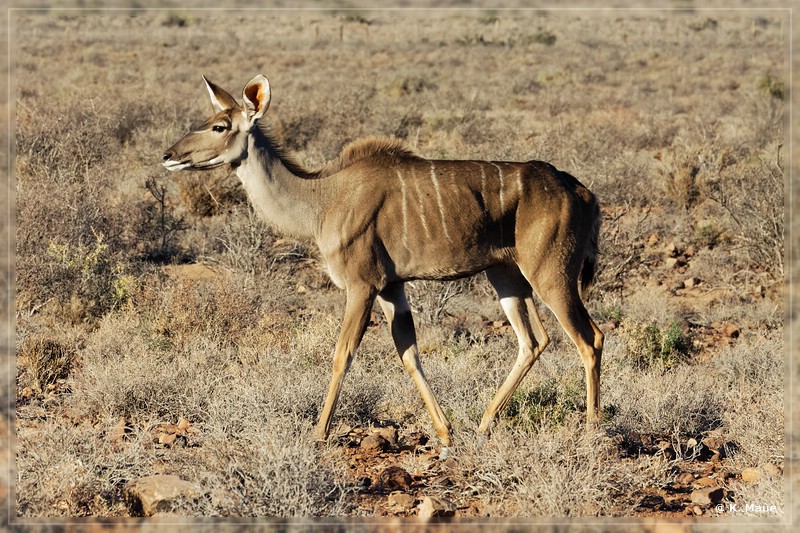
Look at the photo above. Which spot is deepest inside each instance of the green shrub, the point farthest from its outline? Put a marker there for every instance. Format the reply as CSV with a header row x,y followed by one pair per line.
x,y
650,345
772,86
548,404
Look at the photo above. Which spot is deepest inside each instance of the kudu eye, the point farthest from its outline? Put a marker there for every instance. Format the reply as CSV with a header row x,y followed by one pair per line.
x,y
218,128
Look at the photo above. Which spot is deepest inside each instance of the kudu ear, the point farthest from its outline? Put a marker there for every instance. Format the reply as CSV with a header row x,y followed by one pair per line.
x,y
220,100
256,96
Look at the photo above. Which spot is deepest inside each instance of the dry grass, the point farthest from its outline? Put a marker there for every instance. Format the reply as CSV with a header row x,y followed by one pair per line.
x,y
676,122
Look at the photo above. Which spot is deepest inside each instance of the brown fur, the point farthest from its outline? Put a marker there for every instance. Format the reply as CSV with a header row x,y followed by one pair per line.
x,y
350,154
384,216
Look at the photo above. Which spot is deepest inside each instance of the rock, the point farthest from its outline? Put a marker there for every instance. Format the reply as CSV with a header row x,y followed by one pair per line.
x,y
117,434
751,475
731,331
149,495
183,425
707,496
704,482
651,501
414,440
685,478
691,282
675,262
671,250
390,434
167,439
772,470
433,506
652,240
401,500
450,463
374,443
697,510
395,478
715,443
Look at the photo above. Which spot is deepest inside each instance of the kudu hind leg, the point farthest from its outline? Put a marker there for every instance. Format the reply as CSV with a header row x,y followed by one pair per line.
x,y
516,298
568,307
395,306
356,317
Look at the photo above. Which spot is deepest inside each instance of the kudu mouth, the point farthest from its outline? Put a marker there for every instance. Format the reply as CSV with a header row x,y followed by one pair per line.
x,y
172,163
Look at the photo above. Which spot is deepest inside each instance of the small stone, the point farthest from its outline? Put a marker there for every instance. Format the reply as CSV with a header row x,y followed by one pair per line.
x,y
117,434
714,443
691,443
671,250
167,439
390,434
395,478
697,510
704,482
652,501
707,496
183,425
675,262
772,470
433,506
159,494
685,478
374,443
301,289
751,475
731,331
652,240
401,499
450,463
691,282
689,251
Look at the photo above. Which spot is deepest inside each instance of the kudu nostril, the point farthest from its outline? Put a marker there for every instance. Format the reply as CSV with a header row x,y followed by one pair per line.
x,y
167,156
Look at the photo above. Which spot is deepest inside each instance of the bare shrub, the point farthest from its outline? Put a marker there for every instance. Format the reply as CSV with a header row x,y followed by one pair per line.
x,y
216,308
753,375
759,214
245,243
515,472
682,402
429,300
270,469
42,362
159,226
210,193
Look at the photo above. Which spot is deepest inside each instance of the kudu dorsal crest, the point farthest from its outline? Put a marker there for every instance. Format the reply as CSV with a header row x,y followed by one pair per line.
x,y
382,215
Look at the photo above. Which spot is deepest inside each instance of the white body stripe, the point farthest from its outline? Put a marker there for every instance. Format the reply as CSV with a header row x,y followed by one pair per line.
x,y
404,208
421,210
439,201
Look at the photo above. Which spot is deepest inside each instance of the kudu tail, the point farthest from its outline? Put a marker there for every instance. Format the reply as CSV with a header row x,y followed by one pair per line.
x,y
590,259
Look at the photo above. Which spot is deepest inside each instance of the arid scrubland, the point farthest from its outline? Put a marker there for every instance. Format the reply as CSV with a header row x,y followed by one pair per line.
x,y
163,329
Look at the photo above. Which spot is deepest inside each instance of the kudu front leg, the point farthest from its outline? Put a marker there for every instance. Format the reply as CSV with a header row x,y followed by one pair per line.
x,y
356,317
395,306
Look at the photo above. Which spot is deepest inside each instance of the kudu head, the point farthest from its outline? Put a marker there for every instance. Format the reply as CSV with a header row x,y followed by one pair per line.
x,y
222,139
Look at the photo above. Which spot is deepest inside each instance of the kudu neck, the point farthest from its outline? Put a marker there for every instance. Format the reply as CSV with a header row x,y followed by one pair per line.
x,y
286,195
